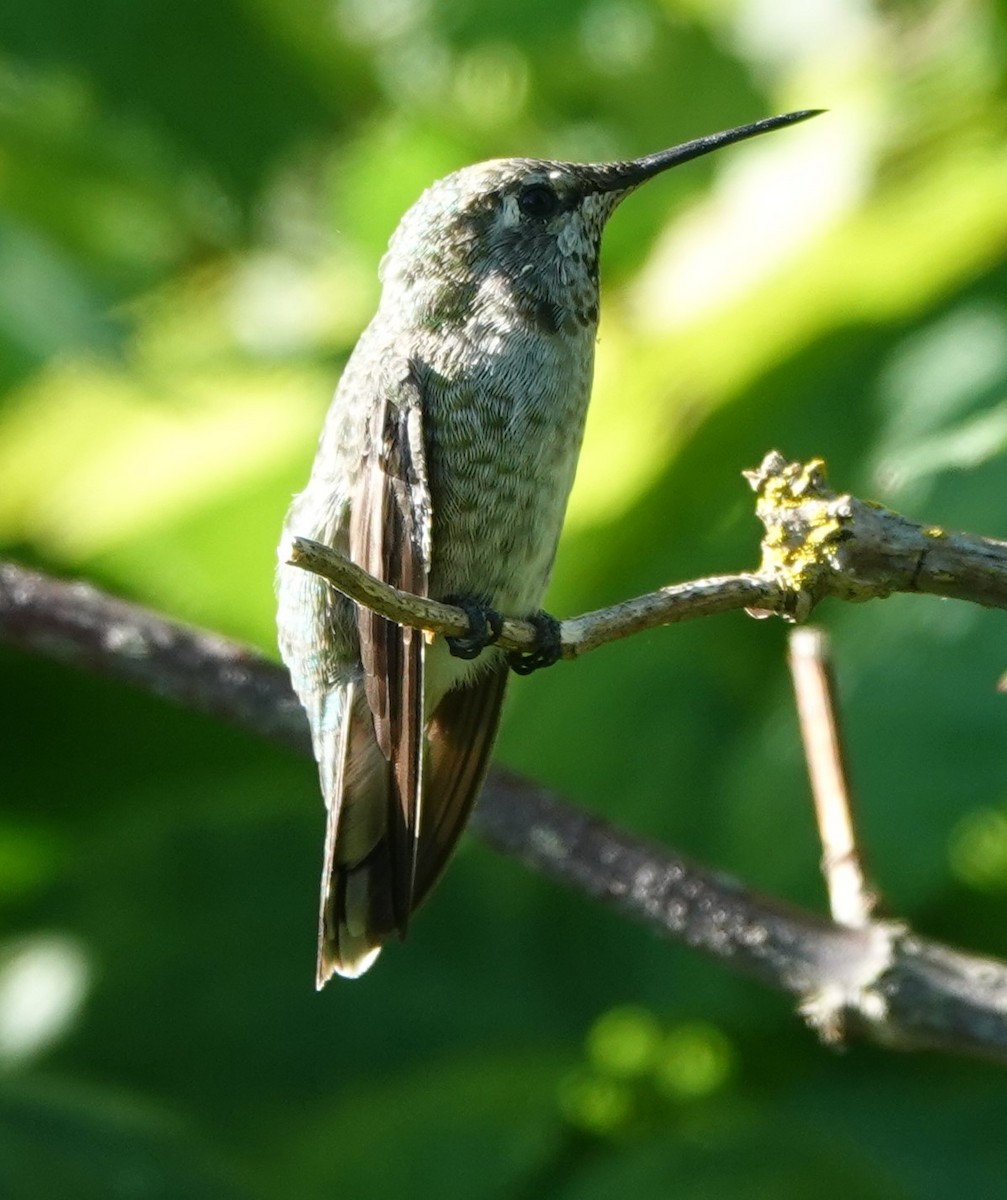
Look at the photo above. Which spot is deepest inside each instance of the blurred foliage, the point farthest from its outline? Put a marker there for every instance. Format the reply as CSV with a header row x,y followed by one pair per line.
x,y
193,201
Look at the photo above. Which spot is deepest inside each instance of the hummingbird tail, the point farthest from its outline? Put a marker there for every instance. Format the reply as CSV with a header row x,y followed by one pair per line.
x,y
350,766
460,737
358,911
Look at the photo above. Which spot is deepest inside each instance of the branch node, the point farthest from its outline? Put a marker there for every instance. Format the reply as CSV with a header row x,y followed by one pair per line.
x,y
819,542
853,1000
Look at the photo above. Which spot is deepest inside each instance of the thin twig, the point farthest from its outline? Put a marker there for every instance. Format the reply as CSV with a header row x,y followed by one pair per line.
x,y
851,898
817,543
880,981
669,605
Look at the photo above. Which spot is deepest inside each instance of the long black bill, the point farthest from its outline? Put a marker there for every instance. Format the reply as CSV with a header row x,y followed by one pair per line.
x,y
619,176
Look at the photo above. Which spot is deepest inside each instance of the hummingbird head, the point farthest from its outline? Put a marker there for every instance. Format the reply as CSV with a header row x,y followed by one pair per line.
x,y
523,235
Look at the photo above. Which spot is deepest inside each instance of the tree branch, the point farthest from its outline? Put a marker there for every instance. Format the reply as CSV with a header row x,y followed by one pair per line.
x,y
669,605
879,980
817,543
80,626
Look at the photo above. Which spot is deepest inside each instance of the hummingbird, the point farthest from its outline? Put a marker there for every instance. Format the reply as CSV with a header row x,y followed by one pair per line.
x,y
444,468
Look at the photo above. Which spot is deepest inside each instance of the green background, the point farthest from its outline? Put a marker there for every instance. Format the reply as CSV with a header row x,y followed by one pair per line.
x,y
193,200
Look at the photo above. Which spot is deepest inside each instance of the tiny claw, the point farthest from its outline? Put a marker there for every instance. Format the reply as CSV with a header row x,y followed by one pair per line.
x,y
485,627
547,651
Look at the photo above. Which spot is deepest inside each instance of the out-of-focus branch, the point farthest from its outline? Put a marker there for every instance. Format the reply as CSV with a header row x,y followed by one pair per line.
x,y
81,626
879,980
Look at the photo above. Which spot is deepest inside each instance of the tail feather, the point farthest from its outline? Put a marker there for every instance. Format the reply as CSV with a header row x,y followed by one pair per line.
x,y
358,911
349,934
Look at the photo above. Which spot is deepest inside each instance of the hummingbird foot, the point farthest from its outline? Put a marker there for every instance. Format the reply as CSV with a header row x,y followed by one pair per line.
x,y
485,627
547,651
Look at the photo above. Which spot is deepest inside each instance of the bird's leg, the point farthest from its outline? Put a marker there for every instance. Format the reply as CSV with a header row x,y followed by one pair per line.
x,y
549,646
485,626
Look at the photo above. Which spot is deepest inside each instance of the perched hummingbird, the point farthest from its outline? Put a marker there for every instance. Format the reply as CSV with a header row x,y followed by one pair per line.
x,y
444,468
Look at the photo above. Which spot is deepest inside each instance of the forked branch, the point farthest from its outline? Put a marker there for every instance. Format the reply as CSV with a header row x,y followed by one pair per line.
x,y
854,974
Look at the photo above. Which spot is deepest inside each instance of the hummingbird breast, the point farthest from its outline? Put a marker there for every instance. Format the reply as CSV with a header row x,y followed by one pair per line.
x,y
505,398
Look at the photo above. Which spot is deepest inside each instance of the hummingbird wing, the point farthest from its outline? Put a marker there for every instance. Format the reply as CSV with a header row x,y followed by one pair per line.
x,y
395,808
376,778
390,537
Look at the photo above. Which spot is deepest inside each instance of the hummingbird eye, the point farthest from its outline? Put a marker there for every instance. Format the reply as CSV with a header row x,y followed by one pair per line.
x,y
538,200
